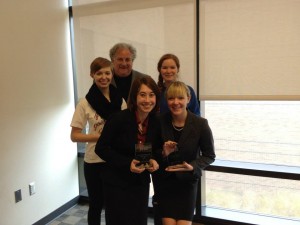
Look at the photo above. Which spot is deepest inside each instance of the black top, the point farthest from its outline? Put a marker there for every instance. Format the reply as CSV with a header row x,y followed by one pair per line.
x,y
123,84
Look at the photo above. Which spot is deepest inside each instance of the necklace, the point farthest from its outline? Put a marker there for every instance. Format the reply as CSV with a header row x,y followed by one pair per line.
x,y
175,128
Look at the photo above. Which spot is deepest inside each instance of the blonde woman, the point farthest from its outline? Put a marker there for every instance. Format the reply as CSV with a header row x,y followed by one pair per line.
x,y
190,139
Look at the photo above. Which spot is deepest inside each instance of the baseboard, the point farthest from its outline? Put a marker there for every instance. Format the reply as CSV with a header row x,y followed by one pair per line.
x,y
57,212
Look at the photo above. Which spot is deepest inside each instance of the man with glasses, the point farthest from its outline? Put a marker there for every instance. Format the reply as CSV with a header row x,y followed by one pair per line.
x,y
122,56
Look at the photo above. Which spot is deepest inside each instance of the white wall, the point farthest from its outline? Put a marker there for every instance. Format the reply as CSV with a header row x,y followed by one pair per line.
x,y
36,108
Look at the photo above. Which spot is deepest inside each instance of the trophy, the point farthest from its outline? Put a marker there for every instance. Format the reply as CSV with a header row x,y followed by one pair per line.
x,y
175,159
143,152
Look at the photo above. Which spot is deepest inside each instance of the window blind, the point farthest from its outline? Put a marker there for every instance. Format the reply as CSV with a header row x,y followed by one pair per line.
x,y
154,27
249,50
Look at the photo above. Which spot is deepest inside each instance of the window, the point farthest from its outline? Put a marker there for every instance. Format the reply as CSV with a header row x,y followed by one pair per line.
x,y
260,135
249,93
266,132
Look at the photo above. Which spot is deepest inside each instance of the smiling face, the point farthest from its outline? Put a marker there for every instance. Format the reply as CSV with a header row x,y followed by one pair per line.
x,y
178,97
122,62
146,100
102,77
178,104
169,71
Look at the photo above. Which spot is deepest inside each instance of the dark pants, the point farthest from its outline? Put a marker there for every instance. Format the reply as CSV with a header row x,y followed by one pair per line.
x,y
92,174
126,206
157,216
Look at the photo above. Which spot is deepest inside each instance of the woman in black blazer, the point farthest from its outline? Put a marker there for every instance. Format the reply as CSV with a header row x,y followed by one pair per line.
x,y
188,149
126,183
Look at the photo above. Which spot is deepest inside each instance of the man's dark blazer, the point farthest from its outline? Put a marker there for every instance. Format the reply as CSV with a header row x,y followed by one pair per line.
x,y
135,74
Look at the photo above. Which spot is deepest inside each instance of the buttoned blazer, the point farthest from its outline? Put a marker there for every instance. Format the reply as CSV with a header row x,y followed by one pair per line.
x,y
196,143
116,146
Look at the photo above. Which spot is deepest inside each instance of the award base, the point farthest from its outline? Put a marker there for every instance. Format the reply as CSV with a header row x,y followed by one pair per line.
x,y
143,152
174,159
144,165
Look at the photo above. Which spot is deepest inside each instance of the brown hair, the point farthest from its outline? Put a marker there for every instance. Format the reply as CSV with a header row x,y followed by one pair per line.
x,y
98,64
160,82
135,87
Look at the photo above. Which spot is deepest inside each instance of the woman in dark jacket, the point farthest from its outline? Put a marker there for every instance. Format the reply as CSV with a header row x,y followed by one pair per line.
x,y
188,149
126,183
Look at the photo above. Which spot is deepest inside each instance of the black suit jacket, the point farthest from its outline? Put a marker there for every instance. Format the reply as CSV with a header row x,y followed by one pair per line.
x,y
116,146
196,144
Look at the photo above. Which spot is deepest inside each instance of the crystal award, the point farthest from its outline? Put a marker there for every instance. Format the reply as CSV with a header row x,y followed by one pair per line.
x,y
174,158
143,152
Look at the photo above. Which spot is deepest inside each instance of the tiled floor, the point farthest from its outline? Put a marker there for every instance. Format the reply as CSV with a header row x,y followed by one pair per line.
x,y
78,216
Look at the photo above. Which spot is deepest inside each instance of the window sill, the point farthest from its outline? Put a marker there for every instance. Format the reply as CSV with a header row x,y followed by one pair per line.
x,y
256,169
212,215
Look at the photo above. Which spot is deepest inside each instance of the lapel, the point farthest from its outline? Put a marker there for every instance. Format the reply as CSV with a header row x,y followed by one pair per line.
x,y
113,82
131,126
133,73
168,132
187,131
150,129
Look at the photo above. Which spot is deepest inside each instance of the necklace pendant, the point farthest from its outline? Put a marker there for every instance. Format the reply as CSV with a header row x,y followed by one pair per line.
x,y
176,128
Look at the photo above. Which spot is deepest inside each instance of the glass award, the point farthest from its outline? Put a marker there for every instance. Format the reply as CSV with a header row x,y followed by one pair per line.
x,y
143,152
174,158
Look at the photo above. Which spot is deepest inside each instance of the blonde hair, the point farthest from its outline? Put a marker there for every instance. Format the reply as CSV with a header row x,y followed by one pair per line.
x,y
178,89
